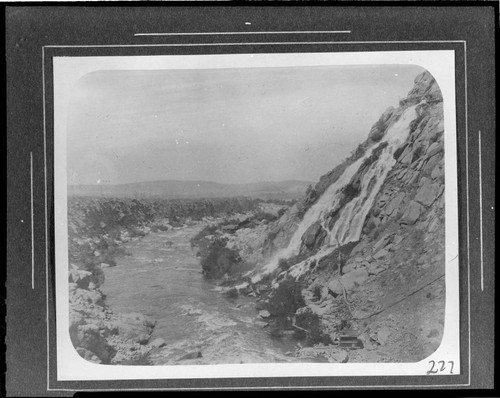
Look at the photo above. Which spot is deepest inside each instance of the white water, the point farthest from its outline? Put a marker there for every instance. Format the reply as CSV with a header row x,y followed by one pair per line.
x,y
191,314
352,216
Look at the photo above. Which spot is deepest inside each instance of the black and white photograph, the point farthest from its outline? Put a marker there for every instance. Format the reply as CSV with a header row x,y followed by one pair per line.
x,y
256,209
231,198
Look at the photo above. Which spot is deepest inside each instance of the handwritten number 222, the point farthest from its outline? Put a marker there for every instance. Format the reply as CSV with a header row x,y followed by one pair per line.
x,y
439,369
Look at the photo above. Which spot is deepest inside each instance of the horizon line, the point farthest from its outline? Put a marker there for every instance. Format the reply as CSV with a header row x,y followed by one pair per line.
x,y
193,181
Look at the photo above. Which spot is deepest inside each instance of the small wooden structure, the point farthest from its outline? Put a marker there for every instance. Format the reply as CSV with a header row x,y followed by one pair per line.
x,y
229,228
349,339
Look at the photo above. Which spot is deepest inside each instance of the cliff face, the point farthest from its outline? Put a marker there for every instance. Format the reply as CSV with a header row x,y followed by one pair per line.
x,y
367,243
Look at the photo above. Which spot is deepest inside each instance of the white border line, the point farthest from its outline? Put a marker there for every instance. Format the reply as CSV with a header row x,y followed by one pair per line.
x,y
467,197
243,33
46,216
481,210
244,388
32,227
170,45
248,44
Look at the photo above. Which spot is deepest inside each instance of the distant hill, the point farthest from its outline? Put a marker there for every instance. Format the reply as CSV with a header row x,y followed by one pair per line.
x,y
195,189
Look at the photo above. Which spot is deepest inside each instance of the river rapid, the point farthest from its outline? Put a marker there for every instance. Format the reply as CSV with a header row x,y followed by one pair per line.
x,y
162,278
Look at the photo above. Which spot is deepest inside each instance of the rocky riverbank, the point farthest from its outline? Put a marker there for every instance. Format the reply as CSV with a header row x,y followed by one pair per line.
x,y
98,230
98,334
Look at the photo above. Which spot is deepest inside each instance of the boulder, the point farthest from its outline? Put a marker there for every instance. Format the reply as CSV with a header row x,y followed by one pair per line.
x,y
367,341
433,225
431,163
383,335
400,173
264,314
359,248
130,354
381,254
89,338
427,194
412,213
339,356
351,265
440,202
397,240
406,158
375,269
83,297
386,239
424,181
335,287
410,177
261,324
314,236
399,152
76,319
158,343
437,171
135,327
354,278
394,204
97,277
383,200
418,164
434,149
88,355
81,277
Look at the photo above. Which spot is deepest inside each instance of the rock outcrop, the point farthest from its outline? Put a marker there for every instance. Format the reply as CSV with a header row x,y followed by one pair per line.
x,y
387,286
97,333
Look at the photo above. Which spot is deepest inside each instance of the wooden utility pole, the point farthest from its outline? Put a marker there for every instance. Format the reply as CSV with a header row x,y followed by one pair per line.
x,y
339,256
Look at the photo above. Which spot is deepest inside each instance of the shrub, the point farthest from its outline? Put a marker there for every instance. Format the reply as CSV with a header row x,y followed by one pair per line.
x,y
378,130
283,264
218,259
286,298
317,290
350,191
311,322
231,293
97,224
358,152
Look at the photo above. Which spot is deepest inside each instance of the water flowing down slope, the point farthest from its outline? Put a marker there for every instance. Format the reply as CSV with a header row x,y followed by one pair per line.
x,y
364,251
351,215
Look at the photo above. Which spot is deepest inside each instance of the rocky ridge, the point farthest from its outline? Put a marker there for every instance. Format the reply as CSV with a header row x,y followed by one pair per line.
x,y
387,287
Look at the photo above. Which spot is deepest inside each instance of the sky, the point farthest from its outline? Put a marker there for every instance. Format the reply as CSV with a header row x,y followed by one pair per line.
x,y
225,125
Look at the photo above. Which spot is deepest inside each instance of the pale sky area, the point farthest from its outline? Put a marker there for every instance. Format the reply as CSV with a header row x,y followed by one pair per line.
x,y
225,125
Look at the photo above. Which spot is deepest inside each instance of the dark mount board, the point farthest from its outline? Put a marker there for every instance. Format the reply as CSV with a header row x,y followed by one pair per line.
x,y
30,371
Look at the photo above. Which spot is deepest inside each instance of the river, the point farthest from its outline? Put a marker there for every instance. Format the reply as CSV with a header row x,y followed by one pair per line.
x,y
164,280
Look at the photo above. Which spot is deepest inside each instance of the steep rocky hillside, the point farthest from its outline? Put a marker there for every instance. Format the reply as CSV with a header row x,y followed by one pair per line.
x,y
363,252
